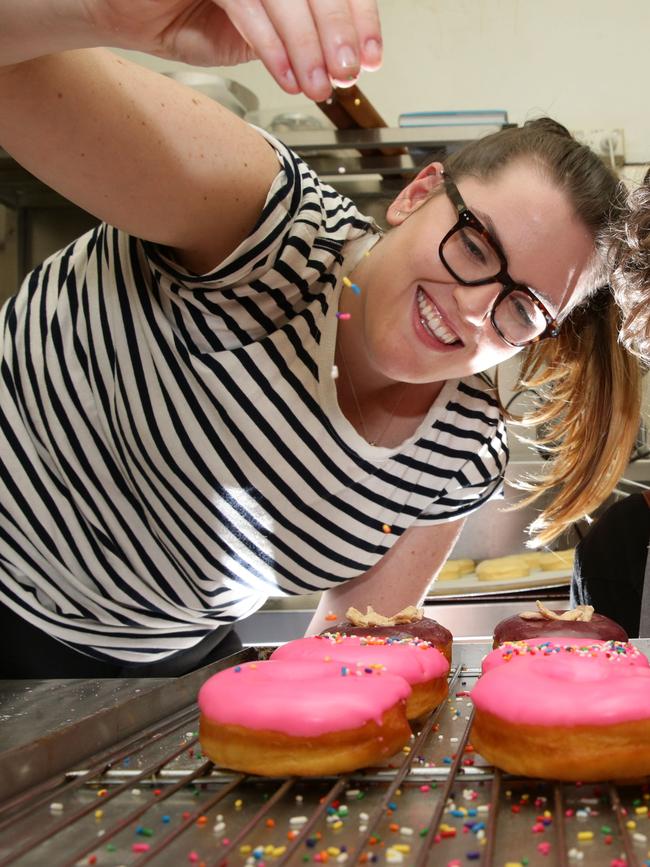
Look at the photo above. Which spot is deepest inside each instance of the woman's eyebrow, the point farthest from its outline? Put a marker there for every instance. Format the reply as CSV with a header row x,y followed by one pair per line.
x,y
486,219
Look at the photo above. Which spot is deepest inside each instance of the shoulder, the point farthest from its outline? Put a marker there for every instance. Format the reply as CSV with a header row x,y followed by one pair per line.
x,y
304,227
475,404
298,188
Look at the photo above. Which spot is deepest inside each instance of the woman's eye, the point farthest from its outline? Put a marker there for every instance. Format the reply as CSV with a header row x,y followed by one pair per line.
x,y
523,311
472,248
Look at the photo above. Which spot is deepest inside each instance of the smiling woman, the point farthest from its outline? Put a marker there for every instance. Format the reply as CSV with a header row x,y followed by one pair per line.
x,y
495,252
175,445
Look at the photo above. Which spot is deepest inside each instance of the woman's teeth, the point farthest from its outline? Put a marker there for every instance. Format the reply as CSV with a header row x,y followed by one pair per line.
x,y
432,322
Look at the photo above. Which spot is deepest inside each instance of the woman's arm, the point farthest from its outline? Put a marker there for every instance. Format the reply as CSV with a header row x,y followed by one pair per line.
x,y
400,578
133,147
138,150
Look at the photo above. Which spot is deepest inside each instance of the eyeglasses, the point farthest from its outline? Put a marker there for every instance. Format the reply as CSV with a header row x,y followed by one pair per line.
x,y
474,258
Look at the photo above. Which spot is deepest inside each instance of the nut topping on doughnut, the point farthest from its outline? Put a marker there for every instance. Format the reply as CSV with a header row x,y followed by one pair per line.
x,y
410,614
407,625
581,613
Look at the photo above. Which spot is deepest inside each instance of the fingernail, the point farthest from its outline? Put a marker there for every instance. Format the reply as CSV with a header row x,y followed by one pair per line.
x,y
290,79
372,52
320,80
347,57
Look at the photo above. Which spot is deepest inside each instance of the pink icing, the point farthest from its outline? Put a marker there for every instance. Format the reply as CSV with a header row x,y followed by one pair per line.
x,y
302,699
552,683
622,653
415,661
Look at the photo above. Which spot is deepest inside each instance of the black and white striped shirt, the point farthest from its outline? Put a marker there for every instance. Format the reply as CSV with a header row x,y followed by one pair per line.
x,y
171,447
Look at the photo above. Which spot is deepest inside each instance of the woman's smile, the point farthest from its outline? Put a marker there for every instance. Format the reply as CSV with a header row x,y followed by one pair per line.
x,y
432,321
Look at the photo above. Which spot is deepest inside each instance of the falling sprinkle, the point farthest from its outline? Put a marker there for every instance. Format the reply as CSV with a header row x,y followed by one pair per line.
x,y
344,316
386,528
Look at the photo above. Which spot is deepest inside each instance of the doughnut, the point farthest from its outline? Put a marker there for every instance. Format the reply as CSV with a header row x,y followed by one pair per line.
x,y
566,711
408,623
285,718
551,561
580,622
503,568
454,569
421,665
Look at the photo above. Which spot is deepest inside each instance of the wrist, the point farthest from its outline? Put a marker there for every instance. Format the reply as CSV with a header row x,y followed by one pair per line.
x,y
34,28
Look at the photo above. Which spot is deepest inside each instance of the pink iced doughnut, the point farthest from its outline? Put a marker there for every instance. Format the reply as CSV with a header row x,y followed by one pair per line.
x,y
623,652
562,710
424,667
284,718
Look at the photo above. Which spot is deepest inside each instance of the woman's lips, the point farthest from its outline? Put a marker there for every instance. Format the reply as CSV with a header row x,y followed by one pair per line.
x,y
432,322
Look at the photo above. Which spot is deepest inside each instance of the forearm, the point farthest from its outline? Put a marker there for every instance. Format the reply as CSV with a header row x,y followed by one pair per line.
x,y
32,28
135,149
401,578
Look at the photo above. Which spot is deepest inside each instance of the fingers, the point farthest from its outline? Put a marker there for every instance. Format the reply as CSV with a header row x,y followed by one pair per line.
x,y
256,28
308,45
366,19
298,28
338,40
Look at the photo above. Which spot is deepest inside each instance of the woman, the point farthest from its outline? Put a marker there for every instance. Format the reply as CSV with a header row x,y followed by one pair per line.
x,y
234,388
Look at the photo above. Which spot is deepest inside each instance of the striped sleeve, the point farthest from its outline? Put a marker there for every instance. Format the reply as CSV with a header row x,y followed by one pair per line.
x,y
476,431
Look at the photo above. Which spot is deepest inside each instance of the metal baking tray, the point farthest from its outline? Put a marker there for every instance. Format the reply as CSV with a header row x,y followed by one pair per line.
x,y
152,798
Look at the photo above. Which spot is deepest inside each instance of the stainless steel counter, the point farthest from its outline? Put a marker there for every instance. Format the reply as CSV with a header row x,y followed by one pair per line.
x,y
48,725
153,798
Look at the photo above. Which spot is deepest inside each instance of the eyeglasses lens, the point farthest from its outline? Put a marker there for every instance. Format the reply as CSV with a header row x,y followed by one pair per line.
x,y
518,318
472,259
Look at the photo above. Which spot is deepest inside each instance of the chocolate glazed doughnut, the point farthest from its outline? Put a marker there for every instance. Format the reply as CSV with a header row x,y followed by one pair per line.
x,y
408,623
578,623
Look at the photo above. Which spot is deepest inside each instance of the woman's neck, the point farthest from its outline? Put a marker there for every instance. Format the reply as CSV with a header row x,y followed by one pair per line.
x,y
384,411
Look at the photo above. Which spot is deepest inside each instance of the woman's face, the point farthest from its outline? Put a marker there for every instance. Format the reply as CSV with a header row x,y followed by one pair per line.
x,y
416,322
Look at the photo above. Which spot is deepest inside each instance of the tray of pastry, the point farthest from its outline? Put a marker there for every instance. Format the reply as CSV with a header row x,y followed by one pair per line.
x,y
154,798
523,571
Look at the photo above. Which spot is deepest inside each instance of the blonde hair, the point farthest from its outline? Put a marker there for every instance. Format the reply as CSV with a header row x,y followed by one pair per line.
x,y
586,386
586,415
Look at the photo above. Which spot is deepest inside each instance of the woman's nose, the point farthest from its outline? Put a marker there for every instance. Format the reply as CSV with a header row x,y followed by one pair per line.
x,y
475,303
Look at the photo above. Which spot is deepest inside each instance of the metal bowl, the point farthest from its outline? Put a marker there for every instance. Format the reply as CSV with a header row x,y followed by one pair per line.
x,y
231,94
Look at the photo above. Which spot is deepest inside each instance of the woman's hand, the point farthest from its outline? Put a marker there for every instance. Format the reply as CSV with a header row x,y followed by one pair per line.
x,y
305,44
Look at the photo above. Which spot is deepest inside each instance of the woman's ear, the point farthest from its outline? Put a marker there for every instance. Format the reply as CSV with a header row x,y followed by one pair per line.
x,y
415,194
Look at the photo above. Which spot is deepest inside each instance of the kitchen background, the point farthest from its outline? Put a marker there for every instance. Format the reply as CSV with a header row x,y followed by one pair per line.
x,y
584,62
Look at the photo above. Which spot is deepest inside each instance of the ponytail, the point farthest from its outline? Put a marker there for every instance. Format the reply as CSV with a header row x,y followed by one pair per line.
x,y
586,414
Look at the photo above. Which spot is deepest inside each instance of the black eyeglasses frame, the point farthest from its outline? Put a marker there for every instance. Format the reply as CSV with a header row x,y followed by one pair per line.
x,y
466,219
